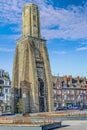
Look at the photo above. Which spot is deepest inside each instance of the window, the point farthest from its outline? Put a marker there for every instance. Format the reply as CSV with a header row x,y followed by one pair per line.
x,y
59,85
59,91
54,91
6,82
0,90
34,9
71,86
72,97
54,97
77,91
59,97
34,25
65,85
6,90
7,97
71,91
65,91
37,55
53,84
34,17
55,104
68,92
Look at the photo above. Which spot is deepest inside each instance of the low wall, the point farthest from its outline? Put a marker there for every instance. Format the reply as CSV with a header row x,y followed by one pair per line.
x,y
19,127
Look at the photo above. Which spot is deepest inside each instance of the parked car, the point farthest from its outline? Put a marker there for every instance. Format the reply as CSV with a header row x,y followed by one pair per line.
x,y
74,107
81,108
62,108
84,106
65,108
70,108
58,108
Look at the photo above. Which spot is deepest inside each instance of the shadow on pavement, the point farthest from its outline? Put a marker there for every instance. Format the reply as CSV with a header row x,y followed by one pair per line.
x,y
60,127
65,126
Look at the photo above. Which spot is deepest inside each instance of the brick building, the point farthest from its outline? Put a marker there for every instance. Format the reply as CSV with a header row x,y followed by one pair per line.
x,y
69,91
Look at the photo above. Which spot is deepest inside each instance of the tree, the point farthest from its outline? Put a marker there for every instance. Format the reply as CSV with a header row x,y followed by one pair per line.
x,y
20,106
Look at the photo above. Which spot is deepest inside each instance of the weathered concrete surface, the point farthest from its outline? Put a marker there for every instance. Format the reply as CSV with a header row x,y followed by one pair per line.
x,y
74,125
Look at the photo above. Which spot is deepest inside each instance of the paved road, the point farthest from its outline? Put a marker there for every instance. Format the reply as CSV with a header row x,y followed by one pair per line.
x,y
74,125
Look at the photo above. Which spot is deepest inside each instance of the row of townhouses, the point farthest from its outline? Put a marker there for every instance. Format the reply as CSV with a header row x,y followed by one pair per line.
x,y
5,92
69,91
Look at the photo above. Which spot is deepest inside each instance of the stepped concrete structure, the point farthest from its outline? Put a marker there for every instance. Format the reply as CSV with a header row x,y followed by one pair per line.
x,y
32,79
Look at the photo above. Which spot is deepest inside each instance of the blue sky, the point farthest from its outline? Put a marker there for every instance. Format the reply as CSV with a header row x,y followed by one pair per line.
x,y
63,24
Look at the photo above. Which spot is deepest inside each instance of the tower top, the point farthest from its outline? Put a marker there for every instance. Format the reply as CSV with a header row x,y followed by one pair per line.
x,y
30,4
30,21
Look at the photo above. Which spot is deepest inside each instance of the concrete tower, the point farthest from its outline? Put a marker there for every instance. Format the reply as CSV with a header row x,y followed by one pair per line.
x,y
31,70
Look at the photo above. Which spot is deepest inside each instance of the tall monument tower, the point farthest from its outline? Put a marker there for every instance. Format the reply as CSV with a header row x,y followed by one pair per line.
x,y
31,79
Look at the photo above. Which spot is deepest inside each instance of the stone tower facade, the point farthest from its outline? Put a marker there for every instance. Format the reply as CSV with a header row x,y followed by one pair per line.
x,y
32,79
30,21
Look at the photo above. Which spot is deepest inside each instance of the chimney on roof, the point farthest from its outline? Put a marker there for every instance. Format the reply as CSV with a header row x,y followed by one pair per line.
x,y
65,79
78,79
84,80
70,79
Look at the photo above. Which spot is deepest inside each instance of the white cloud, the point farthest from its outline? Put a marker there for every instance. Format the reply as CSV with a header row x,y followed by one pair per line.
x,y
81,49
59,52
71,22
10,37
6,50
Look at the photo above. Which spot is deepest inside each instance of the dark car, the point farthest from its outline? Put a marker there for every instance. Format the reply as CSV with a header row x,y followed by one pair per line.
x,y
74,107
81,108
58,108
85,107
61,108
65,108
70,108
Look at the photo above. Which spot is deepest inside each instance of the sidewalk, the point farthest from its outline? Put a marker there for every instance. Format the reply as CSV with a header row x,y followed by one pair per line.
x,y
73,125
